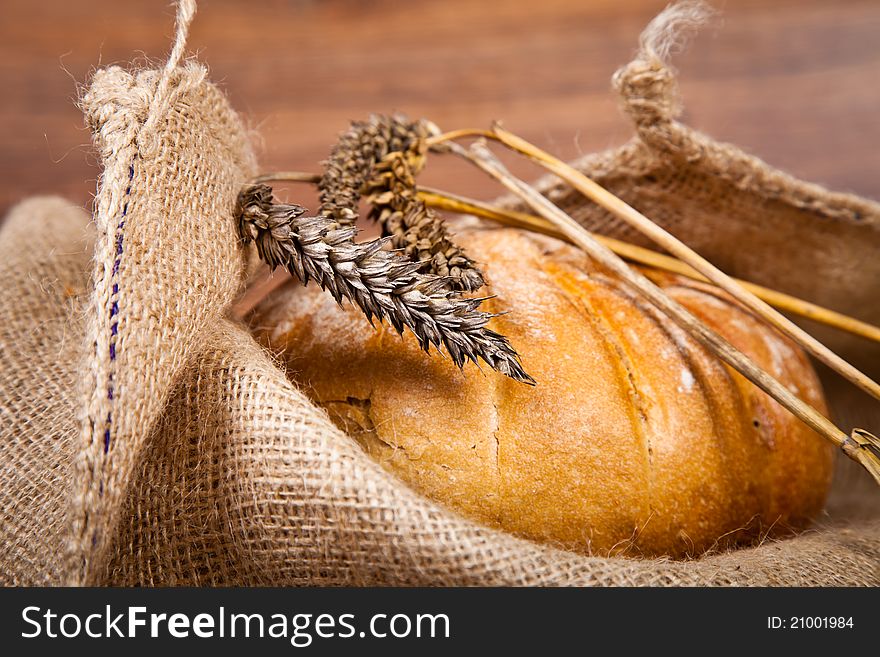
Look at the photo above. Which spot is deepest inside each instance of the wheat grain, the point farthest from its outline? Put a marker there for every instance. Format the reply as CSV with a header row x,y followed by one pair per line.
x,y
379,159
383,284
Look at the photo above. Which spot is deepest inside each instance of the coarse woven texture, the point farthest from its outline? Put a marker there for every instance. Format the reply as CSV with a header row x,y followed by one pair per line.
x,y
145,438
45,245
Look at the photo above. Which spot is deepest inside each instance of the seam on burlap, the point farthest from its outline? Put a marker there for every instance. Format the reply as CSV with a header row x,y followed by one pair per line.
x,y
114,303
123,111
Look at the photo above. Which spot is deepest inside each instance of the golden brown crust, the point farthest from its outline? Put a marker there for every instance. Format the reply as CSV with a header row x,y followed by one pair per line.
x,y
635,441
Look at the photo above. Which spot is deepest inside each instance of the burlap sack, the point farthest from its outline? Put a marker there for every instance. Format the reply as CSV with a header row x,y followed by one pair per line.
x,y
145,438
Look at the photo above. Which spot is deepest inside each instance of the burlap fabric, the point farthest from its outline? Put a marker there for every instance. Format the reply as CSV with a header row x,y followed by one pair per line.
x,y
145,437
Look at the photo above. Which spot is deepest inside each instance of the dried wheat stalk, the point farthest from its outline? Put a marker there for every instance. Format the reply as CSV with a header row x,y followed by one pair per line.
x,y
861,446
378,159
676,247
443,200
383,284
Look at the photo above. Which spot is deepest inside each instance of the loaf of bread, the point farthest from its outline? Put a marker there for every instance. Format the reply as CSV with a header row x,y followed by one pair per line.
x,y
635,441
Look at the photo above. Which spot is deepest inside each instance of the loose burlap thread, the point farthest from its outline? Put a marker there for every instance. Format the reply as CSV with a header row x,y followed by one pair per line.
x,y
145,437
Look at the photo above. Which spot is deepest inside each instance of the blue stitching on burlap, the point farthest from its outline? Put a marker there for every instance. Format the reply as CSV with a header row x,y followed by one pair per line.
x,y
114,306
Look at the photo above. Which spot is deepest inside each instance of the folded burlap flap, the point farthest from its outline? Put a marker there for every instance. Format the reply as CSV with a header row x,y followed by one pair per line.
x,y
167,264
165,446
748,218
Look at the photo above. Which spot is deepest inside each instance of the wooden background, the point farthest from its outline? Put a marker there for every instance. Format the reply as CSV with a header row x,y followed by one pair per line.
x,y
794,81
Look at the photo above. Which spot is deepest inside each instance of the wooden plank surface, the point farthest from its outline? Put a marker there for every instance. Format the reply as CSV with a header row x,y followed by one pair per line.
x,y
794,81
